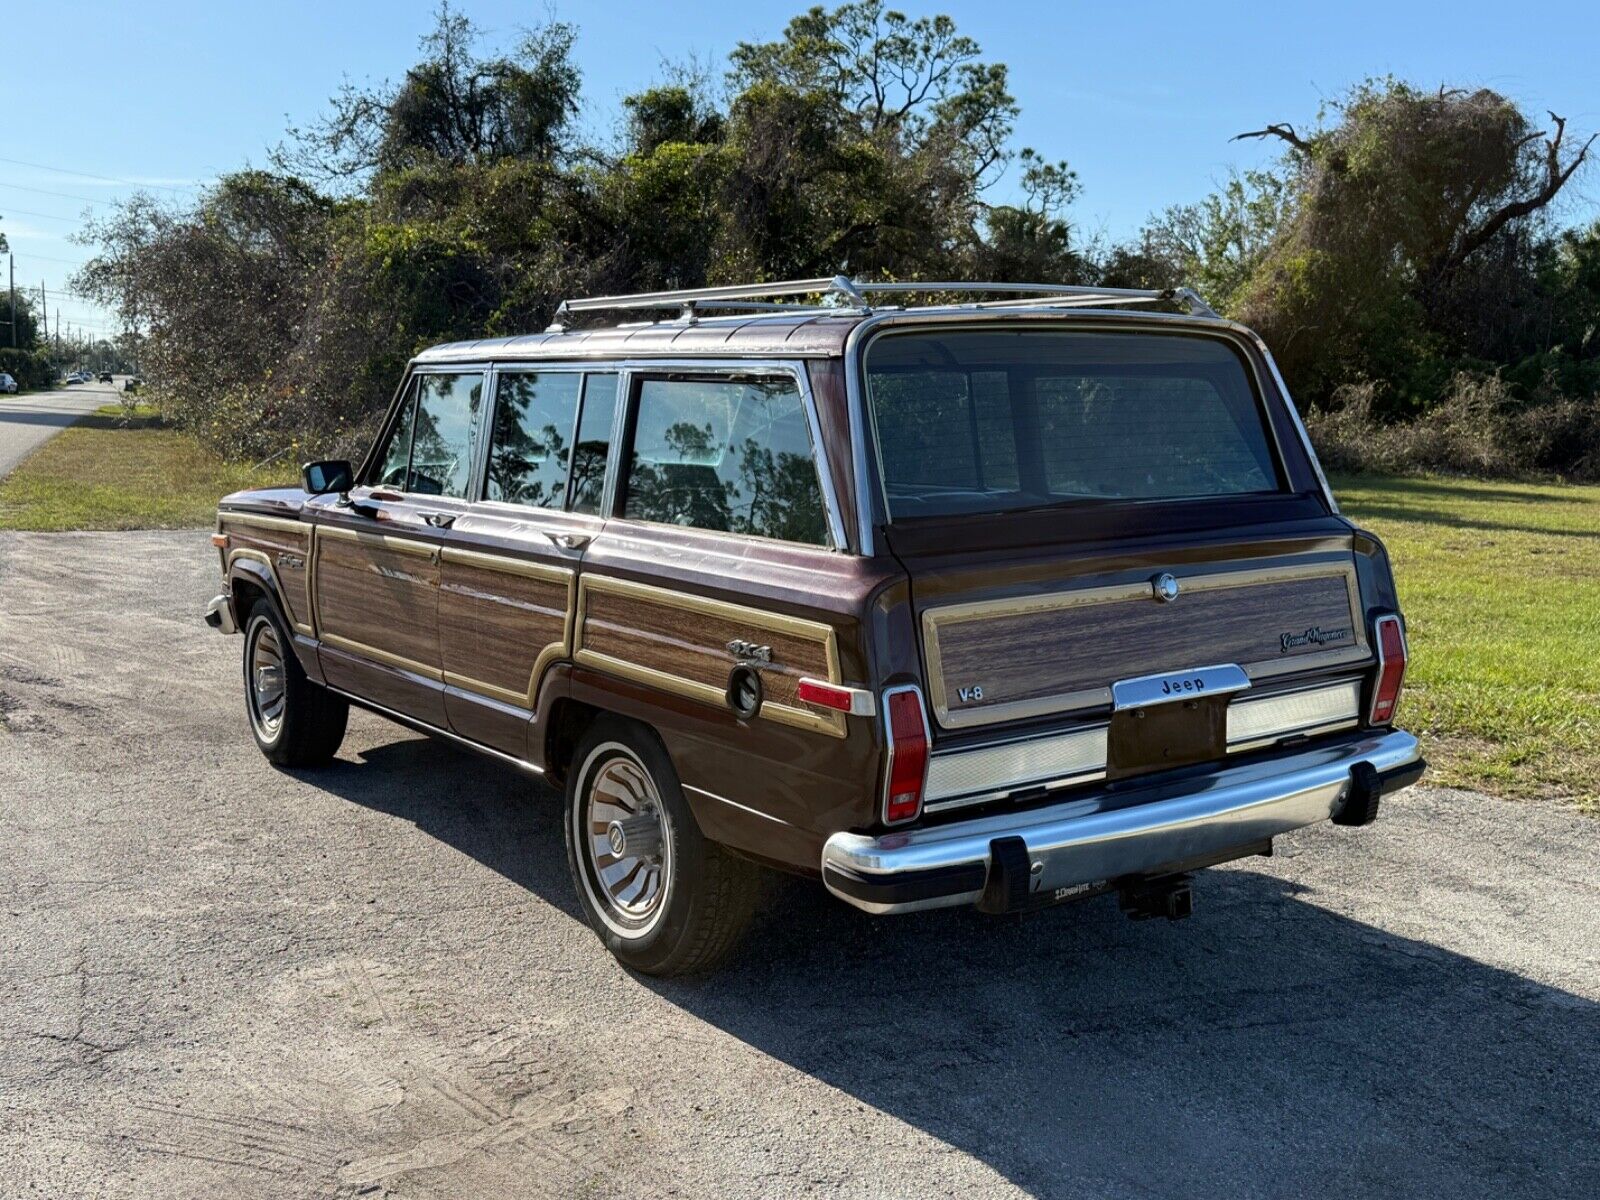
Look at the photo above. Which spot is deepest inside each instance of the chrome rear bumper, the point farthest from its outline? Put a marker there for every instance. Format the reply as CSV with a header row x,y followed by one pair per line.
x,y
1115,832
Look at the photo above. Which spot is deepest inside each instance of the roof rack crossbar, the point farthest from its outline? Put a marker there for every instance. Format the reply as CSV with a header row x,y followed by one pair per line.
x,y
764,297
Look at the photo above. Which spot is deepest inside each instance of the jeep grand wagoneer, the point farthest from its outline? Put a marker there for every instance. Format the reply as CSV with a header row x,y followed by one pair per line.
x,y
993,602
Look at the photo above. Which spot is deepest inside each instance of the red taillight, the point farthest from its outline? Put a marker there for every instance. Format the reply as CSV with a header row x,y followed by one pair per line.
x,y
907,727
1391,640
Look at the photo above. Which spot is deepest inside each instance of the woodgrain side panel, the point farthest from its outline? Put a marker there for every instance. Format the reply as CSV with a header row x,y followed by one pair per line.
x,y
285,546
678,641
501,620
378,596
1053,653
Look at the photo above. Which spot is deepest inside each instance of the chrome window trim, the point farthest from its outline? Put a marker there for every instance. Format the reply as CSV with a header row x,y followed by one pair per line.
x,y
1294,410
609,363
858,339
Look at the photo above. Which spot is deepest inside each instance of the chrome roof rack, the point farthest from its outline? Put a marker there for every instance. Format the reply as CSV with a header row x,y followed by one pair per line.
x,y
842,294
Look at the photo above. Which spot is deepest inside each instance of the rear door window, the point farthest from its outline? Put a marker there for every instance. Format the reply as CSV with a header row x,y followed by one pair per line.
x,y
726,454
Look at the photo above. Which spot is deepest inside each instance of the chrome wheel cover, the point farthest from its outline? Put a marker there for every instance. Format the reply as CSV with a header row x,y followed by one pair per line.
x,y
265,687
624,839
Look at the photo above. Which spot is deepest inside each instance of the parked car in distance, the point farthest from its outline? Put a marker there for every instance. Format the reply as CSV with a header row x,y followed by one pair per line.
x,y
999,605
8,385
105,376
132,384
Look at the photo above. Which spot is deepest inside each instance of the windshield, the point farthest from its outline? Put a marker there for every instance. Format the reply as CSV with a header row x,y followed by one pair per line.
x,y
986,421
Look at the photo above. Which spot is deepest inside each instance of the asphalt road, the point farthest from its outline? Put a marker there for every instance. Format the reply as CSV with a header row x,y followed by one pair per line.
x,y
219,979
29,419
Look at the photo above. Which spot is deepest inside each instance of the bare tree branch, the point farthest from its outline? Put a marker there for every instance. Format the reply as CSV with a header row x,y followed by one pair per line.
x,y
1556,176
1281,130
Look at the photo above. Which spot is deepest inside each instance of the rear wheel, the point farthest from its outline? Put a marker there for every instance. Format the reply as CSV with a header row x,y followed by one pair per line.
x,y
295,722
661,897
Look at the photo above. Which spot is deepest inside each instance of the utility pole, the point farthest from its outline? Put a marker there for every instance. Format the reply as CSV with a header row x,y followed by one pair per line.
x,y
12,262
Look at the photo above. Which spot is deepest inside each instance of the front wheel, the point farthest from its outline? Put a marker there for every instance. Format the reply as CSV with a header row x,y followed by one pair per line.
x,y
661,897
295,722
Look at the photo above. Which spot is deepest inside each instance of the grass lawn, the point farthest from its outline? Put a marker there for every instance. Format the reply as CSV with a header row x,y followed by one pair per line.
x,y
1501,587
112,471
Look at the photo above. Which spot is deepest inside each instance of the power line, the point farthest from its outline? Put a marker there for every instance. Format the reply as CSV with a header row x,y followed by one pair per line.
x,y
62,195
71,262
24,212
161,187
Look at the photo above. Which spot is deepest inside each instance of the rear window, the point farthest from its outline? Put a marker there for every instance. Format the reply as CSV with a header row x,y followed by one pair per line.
x,y
983,421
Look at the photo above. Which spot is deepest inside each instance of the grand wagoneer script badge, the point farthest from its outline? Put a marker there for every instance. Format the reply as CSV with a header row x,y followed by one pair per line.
x,y
1315,636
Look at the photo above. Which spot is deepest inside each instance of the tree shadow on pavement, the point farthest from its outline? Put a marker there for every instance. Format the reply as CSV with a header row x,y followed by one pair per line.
x,y
1266,1047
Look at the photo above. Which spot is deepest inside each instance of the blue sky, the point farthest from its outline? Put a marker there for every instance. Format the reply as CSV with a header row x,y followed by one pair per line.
x,y
1141,98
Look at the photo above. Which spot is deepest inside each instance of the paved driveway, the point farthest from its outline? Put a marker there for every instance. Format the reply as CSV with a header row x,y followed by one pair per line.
x,y
30,419
219,979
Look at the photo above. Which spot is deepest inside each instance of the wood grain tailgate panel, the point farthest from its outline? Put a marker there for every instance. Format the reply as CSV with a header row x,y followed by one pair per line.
x,y
1035,656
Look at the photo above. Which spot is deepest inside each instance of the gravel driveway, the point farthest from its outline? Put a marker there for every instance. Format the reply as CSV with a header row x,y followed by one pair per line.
x,y
219,979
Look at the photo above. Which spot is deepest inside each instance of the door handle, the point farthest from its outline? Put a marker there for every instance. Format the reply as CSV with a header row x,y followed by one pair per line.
x,y
569,541
439,520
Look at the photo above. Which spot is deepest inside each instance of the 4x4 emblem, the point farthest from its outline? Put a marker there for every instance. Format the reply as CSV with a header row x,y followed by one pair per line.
x,y
749,652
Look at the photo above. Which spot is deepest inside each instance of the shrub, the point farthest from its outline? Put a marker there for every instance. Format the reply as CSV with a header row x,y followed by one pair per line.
x,y
30,368
1481,427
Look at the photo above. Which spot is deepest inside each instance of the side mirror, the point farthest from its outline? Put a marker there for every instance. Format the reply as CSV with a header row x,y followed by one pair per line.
x,y
329,475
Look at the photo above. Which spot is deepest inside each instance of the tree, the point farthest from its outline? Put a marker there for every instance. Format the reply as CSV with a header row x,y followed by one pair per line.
x,y
1399,209
452,108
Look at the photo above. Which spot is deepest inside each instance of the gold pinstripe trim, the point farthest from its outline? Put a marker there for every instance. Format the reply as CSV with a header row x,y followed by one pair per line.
x,y
383,656
831,723
382,541
227,517
507,566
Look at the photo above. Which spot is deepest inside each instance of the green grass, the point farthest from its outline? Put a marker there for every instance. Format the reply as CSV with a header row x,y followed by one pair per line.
x,y
1501,588
120,470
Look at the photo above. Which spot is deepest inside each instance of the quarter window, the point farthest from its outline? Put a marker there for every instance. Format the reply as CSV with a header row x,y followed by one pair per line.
x,y
530,447
726,454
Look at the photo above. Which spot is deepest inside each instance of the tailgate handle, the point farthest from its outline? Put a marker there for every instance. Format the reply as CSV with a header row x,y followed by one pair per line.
x,y
1195,683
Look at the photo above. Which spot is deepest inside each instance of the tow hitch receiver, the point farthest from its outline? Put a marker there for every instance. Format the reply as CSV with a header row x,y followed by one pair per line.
x,y
1168,896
